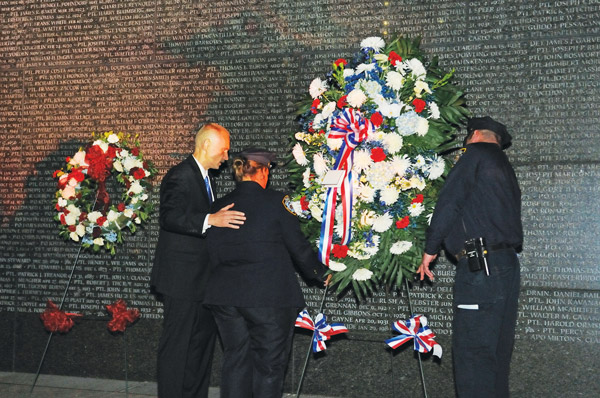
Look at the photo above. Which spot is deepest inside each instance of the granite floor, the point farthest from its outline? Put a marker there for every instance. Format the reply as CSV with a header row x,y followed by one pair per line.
x,y
18,385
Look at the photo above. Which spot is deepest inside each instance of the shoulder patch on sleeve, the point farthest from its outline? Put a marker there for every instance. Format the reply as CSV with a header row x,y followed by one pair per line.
x,y
287,203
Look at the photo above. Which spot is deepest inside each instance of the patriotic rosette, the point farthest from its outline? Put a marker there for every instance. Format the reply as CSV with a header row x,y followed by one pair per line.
x,y
378,123
322,331
415,329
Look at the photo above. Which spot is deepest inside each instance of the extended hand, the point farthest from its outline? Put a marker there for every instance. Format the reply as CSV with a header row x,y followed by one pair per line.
x,y
424,267
227,218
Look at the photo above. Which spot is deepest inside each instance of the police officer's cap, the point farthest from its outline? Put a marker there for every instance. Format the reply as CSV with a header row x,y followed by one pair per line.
x,y
487,123
259,155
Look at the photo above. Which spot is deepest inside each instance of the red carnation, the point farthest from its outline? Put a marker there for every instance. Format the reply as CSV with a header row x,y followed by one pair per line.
x,y
77,175
342,102
63,221
419,105
121,207
418,199
377,154
376,119
58,207
138,173
403,223
71,228
315,105
340,61
394,58
304,203
339,251
135,151
101,220
82,216
111,152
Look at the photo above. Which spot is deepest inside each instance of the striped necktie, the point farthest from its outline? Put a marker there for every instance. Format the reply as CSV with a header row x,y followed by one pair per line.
x,y
208,190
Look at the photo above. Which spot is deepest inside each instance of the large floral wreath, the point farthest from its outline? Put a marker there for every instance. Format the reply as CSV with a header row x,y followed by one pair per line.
x,y
84,210
367,168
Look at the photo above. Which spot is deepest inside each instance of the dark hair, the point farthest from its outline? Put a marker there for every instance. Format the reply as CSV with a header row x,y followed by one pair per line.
x,y
243,167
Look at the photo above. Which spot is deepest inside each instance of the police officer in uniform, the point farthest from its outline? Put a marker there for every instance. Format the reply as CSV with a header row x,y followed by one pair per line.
x,y
481,199
253,290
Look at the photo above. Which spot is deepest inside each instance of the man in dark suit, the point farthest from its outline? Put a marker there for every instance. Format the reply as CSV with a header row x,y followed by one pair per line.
x,y
253,291
181,266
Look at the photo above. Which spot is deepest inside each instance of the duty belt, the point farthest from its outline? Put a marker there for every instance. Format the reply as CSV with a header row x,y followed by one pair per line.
x,y
490,248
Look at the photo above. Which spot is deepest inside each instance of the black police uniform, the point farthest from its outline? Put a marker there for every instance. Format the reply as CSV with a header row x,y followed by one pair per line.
x,y
481,198
254,292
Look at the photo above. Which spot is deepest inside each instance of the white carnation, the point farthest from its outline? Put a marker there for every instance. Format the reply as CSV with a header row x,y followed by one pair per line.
x,y
99,241
400,247
389,195
112,216
74,210
375,43
348,72
128,213
320,164
74,236
436,169
71,219
335,266
417,68
317,87
299,155
422,126
382,222
394,80
136,188
131,162
80,229
362,274
366,193
356,98
62,202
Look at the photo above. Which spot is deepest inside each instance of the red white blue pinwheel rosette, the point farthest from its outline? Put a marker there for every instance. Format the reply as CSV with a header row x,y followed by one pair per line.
x,y
415,329
322,330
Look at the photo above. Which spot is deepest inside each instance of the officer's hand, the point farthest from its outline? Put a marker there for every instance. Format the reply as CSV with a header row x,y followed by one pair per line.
x,y
328,280
227,218
424,267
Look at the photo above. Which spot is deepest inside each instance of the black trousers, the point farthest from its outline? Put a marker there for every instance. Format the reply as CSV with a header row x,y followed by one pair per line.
x,y
256,344
185,349
485,315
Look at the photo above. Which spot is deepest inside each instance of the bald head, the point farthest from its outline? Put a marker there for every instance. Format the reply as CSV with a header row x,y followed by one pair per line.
x,y
211,145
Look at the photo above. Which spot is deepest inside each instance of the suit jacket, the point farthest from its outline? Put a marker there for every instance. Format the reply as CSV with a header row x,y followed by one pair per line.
x,y
254,265
181,266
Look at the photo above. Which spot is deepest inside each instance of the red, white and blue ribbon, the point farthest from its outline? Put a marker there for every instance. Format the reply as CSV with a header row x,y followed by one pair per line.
x,y
353,129
415,328
322,330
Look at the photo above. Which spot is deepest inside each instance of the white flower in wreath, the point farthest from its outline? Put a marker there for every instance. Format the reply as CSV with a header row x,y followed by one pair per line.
x,y
94,216
80,229
130,162
62,202
102,144
328,109
380,174
417,68
371,87
362,161
374,43
391,110
417,182
316,212
367,217
362,68
71,219
99,241
415,209
306,177
422,126
73,210
335,266
318,121
317,87
400,247
356,98
420,162
434,110
112,216
138,220
436,169
421,86
112,138
400,164
362,274
128,213
392,143
366,193
320,164
299,155
118,166
78,159
389,195
74,236
382,222
394,80
123,154
136,188
348,72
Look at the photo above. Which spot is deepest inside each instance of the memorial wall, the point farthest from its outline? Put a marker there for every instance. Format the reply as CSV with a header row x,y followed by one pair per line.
x,y
161,69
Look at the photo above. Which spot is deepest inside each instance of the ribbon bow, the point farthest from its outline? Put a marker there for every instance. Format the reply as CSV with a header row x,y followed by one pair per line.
x,y
121,315
322,330
415,328
353,128
56,320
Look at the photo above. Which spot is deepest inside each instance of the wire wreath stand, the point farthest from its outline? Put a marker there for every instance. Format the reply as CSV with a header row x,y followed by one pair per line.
x,y
321,306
